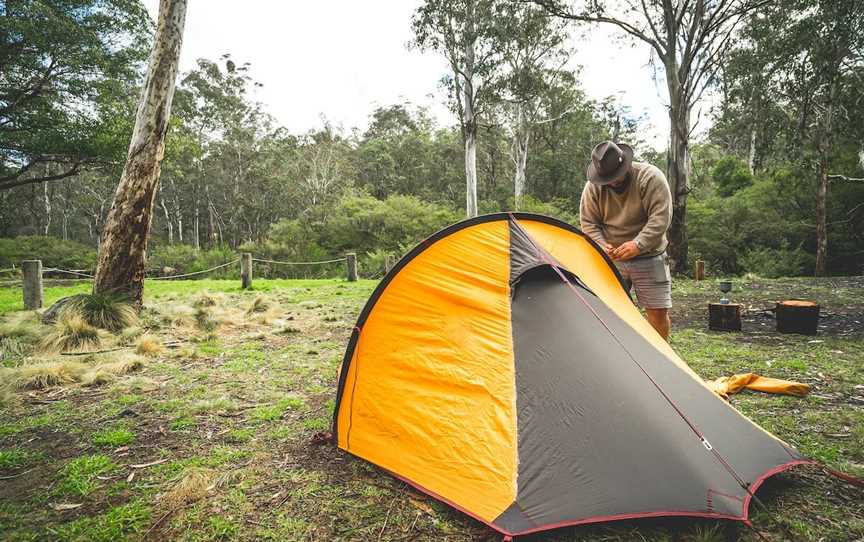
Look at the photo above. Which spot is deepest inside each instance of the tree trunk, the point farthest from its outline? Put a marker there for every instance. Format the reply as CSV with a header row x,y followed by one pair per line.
x,y
469,122
821,213
122,250
196,221
520,151
47,207
751,160
824,147
168,223
178,210
678,170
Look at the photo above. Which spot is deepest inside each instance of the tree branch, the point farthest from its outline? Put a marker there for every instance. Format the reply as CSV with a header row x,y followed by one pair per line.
x,y
552,8
15,180
844,178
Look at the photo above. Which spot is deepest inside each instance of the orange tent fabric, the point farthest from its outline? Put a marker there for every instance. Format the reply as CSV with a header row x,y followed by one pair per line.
x,y
727,385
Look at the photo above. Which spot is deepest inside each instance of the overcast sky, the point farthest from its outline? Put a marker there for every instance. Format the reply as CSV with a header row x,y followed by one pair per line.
x,y
341,58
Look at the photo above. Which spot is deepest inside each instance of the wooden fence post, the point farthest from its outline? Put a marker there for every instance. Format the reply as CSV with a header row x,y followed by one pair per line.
x,y
32,284
246,271
699,274
351,263
389,262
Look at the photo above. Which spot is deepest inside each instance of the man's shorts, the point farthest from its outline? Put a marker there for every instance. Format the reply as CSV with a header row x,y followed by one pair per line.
x,y
650,278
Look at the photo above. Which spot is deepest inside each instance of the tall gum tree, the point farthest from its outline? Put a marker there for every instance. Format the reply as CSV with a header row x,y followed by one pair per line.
x,y
461,31
122,250
690,39
533,51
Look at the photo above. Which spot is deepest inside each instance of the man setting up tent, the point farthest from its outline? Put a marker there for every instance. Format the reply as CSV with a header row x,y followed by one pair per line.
x,y
626,208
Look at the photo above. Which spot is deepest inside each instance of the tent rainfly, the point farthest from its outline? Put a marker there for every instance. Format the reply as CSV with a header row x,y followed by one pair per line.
x,y
502,368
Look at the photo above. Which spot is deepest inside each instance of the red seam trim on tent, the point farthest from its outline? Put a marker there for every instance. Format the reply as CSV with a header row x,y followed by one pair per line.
x,y
353,389
768,474
615,517
744,517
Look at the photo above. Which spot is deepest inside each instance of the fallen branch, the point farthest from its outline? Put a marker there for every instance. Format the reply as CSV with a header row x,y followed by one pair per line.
x,y
15,475
150,464
94,352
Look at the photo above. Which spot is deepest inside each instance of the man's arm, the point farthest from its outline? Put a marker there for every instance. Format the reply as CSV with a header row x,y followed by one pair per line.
x,y
657,202
590,218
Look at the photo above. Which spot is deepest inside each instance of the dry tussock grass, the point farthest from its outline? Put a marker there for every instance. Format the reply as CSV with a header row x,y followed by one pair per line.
x,y
106,372
43,375
259,304
105,311
25,327
7,398
205,320
138,384
71,333
206,299
149,345
129,335
47,373
195,484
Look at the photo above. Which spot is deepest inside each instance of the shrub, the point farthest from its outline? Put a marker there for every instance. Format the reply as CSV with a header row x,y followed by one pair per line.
x,y
731,175
52,251
778,262
182,259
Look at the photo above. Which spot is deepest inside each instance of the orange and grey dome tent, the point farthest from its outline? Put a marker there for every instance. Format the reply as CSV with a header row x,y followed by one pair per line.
x,y
502,368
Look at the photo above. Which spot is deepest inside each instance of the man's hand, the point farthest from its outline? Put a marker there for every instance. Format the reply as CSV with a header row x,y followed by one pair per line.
x,y
607,248
626,251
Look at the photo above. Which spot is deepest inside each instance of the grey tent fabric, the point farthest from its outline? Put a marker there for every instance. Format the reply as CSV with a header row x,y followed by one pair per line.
x,y
595,437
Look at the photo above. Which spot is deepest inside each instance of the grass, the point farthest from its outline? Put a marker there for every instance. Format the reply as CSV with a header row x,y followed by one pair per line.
x,y
105,311
14,459
113,437
71,333
224,412
79,477
148,345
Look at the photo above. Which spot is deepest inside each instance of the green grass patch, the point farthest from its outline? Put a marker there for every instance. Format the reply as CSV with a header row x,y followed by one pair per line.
x,y
182,423
113,437
14,459
239,436
78,477
275,411
119,523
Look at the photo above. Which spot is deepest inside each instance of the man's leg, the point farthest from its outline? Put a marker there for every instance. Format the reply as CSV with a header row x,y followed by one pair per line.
x,y
659,320
653,285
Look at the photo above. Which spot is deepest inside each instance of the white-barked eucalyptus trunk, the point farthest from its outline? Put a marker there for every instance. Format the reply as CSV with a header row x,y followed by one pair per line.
x,y
123,245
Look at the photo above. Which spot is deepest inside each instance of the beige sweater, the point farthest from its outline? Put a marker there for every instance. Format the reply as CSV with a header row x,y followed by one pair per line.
x,y
642,212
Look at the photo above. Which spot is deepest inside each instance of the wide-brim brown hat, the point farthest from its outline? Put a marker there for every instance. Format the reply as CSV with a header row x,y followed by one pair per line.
x,y
609,162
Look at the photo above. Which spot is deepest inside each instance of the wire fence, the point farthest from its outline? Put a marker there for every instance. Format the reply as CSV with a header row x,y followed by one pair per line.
x,y
299,263
264,270
194,273
269,268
